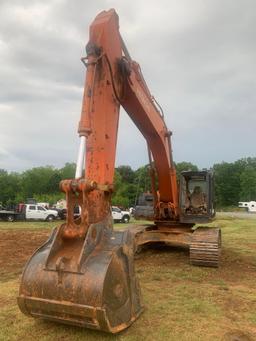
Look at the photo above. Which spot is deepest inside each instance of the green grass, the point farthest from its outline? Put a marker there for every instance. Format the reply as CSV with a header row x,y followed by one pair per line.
x,y
35,225
31,225
182,302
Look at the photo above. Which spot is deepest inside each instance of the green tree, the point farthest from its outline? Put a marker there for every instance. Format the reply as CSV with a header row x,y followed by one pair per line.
x,y
233,182
68,171
121,201
227,183
51,198
117,181
248,184
124,188
142,179
184,166
126,172
142,182
40,180
10,186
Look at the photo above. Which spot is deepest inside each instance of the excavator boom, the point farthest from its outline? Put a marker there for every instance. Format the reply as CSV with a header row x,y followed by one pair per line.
x,y
113,79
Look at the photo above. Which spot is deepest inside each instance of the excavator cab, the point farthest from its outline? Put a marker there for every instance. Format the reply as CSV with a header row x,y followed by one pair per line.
x,y
196,197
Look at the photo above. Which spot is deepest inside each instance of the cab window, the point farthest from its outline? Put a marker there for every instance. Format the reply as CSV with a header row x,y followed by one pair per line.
x,y
115,209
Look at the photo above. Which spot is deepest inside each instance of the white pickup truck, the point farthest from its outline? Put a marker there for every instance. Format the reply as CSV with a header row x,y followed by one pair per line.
x,y
120,216
37,212
29,212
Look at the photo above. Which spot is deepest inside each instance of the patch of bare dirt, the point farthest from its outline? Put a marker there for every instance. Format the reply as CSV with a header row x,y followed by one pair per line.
x,y
237,335
16,246
232,264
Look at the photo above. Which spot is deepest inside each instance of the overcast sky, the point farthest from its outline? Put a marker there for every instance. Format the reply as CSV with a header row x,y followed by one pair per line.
x,y
197,56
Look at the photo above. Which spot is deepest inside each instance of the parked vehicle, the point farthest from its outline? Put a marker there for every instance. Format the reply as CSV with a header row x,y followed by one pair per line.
x,y
62,213
43,204
250,206
120,216
7,215
38,212
61,208
29,212
117,214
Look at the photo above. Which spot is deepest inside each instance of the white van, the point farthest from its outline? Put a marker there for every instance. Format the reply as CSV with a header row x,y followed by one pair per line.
x,y
249,205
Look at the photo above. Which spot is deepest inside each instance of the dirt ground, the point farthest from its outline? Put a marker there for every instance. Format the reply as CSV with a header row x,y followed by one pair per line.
x,y
182,302
16,247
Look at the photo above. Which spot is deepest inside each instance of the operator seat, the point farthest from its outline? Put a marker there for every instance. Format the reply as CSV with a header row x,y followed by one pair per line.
x,y
197,198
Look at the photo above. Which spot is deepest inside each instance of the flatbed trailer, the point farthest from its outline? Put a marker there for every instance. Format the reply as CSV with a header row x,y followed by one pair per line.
x,y
9,215
28,212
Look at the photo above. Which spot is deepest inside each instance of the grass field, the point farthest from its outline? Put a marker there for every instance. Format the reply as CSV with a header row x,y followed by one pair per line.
x,y
182,302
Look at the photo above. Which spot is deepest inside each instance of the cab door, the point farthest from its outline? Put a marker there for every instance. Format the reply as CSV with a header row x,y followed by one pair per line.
x,y
31,212
116,214
41,213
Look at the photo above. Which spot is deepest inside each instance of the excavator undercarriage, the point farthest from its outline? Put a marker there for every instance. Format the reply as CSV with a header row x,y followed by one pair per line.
x,y
203,243
84,274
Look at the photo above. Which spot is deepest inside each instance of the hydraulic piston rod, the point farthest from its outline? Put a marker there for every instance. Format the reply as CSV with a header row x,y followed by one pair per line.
x,y
80,158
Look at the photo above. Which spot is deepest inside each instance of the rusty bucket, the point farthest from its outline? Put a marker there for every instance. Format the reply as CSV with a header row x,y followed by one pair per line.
x,y
88,282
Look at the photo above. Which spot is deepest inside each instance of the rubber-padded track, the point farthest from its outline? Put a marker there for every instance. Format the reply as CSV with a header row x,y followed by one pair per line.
x,y
205,247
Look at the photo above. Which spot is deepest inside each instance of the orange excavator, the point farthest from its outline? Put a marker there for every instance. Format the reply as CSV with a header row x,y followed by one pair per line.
x,y
84,273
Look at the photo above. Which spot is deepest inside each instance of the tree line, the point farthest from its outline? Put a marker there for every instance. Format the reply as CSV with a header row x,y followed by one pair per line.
x,y
234,182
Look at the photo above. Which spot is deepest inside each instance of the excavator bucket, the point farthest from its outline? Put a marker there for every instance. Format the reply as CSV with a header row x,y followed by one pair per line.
x,y
88,282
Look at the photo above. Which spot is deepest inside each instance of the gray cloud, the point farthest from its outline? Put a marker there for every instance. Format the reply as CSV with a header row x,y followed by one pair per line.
x,y
197,57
